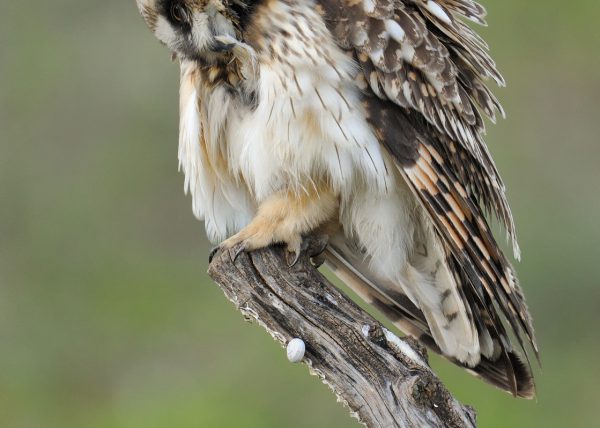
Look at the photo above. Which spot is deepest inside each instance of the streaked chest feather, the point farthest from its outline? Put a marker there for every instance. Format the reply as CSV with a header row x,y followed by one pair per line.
x,y
305,122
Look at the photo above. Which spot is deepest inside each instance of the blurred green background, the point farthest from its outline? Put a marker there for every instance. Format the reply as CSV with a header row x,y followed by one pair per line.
x,y
107,318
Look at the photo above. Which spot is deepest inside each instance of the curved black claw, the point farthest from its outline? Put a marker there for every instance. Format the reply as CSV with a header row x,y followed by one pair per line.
x,y
238,249
297,255
314,247
219,46
213,253
318,259
317,253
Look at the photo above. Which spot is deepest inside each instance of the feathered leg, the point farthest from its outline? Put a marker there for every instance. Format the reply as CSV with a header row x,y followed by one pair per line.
x,y
284,217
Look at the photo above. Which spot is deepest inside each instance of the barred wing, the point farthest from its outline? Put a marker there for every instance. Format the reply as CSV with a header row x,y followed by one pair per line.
x,y
421,56
423,75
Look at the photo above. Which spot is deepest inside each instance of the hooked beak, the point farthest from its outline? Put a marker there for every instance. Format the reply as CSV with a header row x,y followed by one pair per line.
x,y
221,46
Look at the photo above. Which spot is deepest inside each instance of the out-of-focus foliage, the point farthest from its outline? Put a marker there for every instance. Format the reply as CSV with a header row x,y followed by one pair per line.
x,y
107,318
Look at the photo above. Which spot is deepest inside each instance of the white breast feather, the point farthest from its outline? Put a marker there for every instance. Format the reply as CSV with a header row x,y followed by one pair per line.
x,y
217,198
309,121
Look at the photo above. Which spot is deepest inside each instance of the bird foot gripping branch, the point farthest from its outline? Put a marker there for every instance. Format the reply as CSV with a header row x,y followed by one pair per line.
x,y
312,246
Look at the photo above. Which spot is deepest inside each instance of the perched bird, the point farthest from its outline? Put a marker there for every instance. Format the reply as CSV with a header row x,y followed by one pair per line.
x,y
363,120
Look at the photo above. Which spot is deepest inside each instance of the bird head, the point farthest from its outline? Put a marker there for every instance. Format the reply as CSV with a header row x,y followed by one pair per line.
x,y
191,29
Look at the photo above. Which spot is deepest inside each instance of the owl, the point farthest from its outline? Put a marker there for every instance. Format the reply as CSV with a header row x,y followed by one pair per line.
x,y
361,120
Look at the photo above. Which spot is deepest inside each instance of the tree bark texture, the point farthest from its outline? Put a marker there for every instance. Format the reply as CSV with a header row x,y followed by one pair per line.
x,y
385,381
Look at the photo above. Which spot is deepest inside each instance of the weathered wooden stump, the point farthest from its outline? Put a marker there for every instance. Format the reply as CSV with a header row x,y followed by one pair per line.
x,y
385,381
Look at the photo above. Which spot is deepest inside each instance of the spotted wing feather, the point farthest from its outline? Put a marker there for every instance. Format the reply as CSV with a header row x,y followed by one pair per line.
x,y
421,56
465,231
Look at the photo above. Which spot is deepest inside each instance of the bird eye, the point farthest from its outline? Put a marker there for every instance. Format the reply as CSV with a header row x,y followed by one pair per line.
x,y
178,12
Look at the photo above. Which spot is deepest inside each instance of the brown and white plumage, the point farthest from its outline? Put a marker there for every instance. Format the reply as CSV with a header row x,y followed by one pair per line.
x,y
362,119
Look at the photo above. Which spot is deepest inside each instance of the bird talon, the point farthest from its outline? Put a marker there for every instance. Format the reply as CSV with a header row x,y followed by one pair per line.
x,y
297,255
313,246
213,253
241,248
319,246
318,259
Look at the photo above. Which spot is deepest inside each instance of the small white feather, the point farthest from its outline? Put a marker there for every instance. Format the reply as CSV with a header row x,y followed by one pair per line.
x,y
395,30
438,12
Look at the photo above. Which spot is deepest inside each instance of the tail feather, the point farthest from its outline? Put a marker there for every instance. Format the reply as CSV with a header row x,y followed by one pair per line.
x,y
502,367
495,373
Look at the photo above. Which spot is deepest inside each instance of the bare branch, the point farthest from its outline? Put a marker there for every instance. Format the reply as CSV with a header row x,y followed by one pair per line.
x,y
385,381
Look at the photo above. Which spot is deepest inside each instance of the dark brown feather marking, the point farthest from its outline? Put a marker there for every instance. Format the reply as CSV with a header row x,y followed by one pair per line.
x,y
443,80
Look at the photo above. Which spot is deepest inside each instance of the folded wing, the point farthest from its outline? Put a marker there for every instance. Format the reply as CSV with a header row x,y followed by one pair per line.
x,y
423,73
